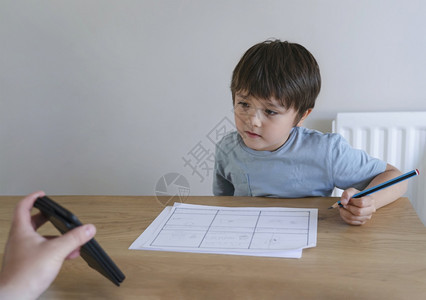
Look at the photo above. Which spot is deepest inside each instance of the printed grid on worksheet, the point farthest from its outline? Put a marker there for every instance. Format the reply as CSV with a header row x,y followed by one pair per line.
x,y
234,229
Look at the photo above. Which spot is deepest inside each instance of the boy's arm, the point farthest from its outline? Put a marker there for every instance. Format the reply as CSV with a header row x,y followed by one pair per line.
x,y
357,211
221,186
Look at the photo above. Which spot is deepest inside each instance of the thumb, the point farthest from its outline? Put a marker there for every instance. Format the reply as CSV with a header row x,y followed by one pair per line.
x,y
73,239
347,195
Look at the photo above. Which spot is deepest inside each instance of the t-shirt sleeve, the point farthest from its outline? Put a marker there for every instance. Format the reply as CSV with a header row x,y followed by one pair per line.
x,y
221,186
353,167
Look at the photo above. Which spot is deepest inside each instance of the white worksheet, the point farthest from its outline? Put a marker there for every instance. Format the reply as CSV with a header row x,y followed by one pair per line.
x,y
274,231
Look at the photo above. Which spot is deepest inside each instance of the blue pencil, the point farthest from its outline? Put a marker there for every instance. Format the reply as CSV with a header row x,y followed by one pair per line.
x,y
381,186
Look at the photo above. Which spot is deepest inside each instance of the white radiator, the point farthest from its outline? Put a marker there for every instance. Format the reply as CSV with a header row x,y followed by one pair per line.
x,y
398,138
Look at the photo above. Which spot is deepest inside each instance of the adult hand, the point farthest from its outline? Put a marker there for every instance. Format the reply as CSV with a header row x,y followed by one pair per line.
x,y
31,262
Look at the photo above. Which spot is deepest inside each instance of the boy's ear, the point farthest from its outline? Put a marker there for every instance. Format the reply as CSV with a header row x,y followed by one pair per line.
x,y
305,115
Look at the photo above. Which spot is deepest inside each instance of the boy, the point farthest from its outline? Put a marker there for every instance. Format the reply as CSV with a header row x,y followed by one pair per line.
x,y
274,87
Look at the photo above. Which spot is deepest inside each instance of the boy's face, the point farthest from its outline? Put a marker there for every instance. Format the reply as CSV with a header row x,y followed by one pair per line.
x,y
264,125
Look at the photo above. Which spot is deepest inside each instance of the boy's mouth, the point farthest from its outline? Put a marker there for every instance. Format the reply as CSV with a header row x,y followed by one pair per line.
x,y
251,134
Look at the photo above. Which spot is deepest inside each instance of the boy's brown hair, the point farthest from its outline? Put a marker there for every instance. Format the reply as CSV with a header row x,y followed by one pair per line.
x,y
284,71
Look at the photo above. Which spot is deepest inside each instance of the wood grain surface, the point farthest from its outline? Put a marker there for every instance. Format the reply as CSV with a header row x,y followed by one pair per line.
x,y
384,259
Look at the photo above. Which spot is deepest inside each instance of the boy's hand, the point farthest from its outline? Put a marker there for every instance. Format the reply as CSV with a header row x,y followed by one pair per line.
x,y
356,211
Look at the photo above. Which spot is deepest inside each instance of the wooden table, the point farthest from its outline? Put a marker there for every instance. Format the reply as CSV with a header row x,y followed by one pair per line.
x,y
384,259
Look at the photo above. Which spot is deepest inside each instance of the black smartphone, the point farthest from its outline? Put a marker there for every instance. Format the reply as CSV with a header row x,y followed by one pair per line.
x,y
91,252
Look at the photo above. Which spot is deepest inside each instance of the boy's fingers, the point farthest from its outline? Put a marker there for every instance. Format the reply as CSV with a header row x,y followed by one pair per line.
x,y
347,195
365,203
355,211
352,219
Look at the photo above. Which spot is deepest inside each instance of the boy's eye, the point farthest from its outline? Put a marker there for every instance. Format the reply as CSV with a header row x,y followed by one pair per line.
x,y
270,112
243,104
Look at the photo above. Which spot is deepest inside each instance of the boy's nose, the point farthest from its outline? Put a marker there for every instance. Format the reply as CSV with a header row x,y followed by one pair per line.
x,y
255,118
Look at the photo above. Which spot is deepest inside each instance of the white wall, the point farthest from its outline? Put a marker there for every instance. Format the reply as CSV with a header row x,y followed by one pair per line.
x,y
106,97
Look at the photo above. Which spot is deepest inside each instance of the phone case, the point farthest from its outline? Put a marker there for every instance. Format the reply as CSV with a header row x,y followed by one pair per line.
x,y
91,252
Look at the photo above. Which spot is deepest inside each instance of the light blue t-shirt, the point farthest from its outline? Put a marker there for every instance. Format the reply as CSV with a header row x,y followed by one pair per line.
x,y
310,163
